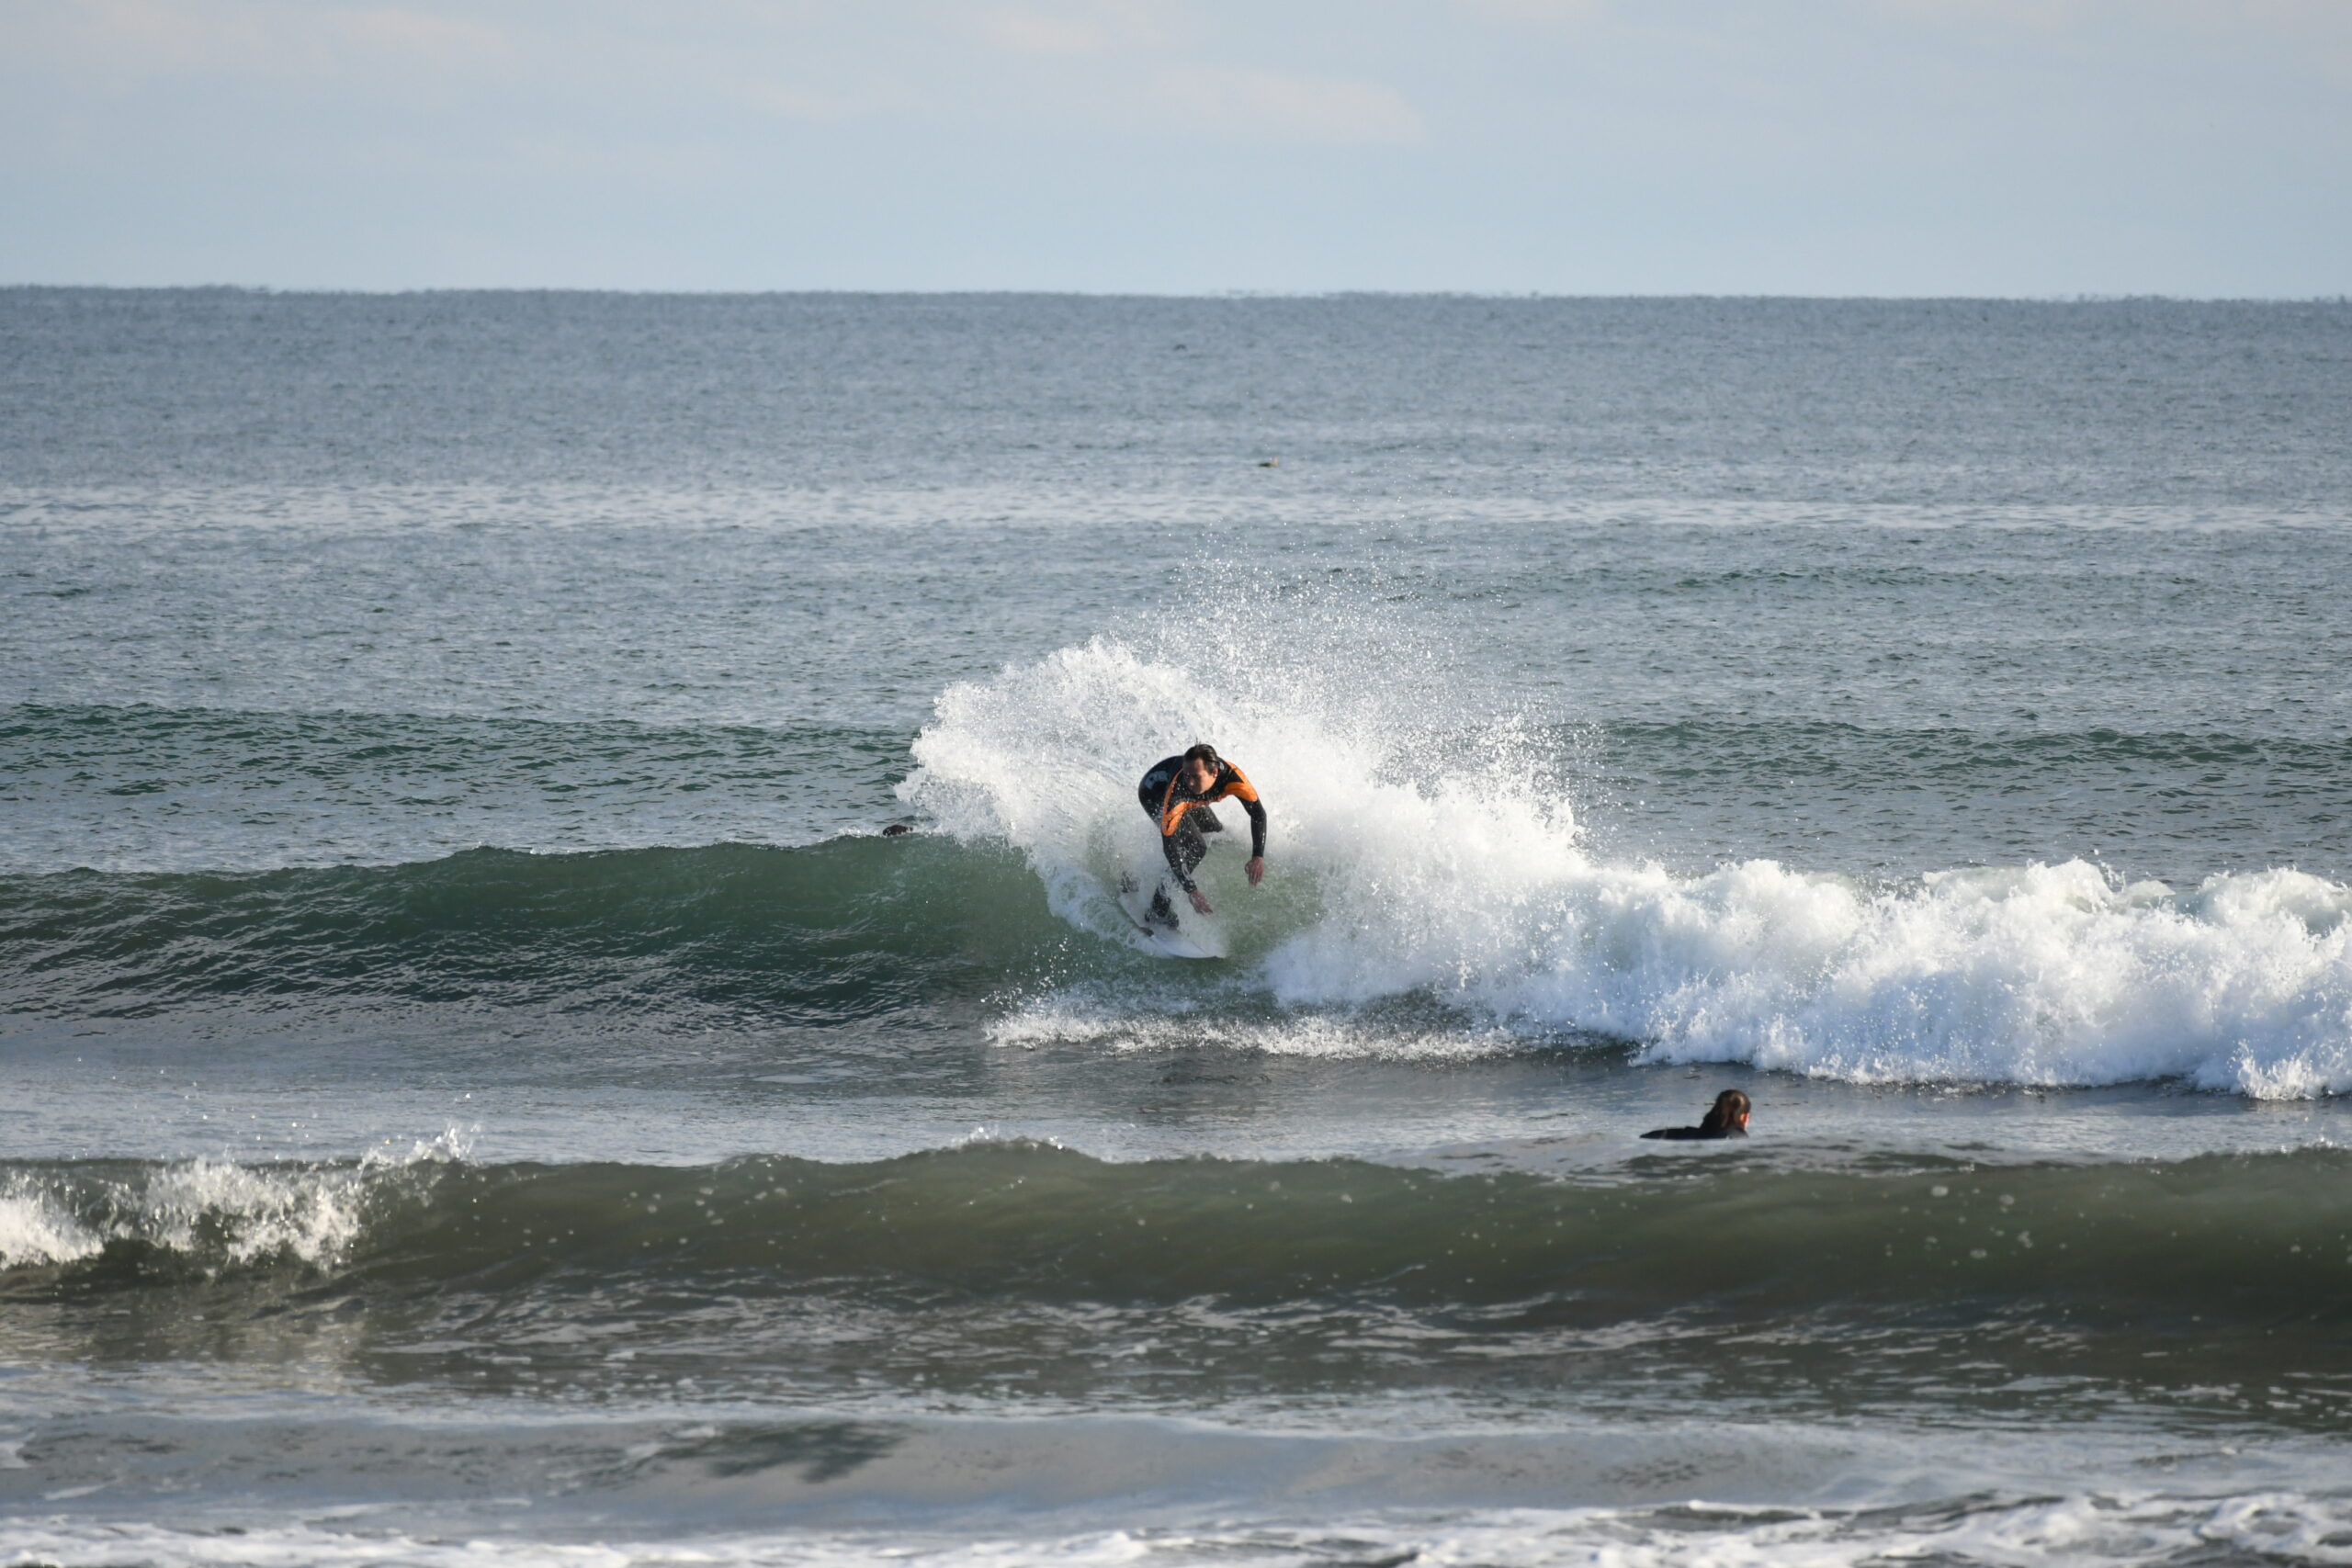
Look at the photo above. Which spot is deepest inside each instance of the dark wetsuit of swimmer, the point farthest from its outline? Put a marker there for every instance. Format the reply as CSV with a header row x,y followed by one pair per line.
x,y
1701,1131
1185,818
1727,1118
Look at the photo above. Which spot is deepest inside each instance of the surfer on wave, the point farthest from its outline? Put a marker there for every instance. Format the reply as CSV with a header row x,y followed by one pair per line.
x,y
1177,794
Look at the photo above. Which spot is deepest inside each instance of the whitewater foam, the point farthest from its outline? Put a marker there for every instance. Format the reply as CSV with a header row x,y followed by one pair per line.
x,y
2082,1528
1094,1018
1409,861
216,1212
37,1227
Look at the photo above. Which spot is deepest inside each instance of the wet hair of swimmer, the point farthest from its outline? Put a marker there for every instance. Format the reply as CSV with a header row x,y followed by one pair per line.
x,y
1728,1112
1201,751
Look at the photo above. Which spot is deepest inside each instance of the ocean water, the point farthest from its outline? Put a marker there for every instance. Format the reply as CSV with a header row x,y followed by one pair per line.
x,y
483,1089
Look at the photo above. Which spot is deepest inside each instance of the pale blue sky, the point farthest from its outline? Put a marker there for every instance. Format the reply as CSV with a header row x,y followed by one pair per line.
x,y
2000,147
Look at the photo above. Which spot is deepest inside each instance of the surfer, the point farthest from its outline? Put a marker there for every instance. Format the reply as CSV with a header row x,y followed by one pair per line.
x,y
1177,794
1727,1118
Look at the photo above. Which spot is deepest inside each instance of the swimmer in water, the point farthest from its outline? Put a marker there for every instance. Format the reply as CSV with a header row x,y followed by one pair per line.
x,y
1726,1119
1176,794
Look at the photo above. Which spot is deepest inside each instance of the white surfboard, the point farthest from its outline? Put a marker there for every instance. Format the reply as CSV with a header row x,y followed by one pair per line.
x,y
1184,932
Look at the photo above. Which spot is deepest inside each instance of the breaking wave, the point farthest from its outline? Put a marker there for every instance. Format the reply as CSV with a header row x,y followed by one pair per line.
x,y
205,1213
1419,850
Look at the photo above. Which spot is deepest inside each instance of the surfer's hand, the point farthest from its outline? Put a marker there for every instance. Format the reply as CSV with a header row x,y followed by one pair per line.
x,y
1257,869
1200,902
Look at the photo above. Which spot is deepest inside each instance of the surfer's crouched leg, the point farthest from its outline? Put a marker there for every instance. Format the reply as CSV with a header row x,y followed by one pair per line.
x,y
1190,848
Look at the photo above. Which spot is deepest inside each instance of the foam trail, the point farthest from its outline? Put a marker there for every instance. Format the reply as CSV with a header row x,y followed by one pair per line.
x,y
2085,1528
1405,862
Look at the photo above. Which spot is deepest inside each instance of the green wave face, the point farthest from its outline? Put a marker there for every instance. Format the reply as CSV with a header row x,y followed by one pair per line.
x,y
849,929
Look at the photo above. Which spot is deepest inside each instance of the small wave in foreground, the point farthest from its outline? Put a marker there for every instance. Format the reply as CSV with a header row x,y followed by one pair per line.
x,y
2219,1237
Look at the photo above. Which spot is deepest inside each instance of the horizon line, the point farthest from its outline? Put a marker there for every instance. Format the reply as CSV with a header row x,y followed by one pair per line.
x,y
1210,296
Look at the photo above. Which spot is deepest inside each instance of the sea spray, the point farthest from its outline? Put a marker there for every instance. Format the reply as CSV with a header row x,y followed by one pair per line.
x,y
1405,863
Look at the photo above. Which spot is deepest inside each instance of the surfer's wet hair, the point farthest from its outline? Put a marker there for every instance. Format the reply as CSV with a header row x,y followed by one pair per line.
x,y
1201,751
1729,1107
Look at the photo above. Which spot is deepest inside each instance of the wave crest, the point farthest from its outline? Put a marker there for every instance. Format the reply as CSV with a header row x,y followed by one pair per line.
x,y
208,1213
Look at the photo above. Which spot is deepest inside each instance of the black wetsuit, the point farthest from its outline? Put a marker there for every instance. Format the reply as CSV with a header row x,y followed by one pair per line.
x,y
1184,818
1701,1131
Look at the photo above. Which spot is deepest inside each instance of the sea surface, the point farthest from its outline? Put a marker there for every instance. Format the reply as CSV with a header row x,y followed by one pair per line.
x,y
481,1086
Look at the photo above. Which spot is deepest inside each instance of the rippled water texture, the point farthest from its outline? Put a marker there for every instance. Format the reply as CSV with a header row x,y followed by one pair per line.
x,y
483,1086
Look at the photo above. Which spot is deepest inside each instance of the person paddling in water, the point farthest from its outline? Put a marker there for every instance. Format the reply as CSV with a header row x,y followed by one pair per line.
x,y
1177,794
1727,1118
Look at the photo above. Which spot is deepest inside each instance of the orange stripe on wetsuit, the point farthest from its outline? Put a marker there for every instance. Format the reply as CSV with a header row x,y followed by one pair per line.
x,y
1179,841
1232,784
1181,851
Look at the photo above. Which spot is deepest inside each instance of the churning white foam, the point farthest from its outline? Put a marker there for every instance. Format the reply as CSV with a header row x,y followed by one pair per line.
x,y
36,1226
2285,1528
1407,860
1076,1017
213,1213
